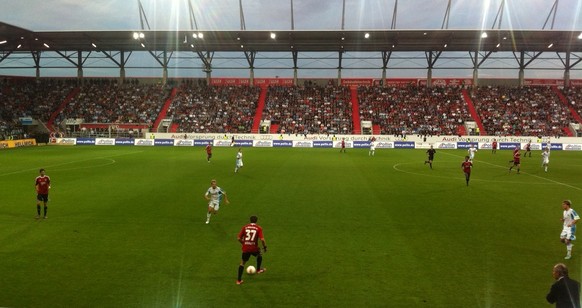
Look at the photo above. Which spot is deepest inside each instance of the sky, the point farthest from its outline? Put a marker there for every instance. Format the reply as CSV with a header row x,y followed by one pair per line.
x,y
44,15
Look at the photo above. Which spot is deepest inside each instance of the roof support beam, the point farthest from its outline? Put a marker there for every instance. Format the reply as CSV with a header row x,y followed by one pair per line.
x,y
552,14
5,55
499,16
445,24
143,17
394,14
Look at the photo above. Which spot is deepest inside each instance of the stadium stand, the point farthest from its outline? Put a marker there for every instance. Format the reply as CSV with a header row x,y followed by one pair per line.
x,y
205,109
521,111
414,109
311,109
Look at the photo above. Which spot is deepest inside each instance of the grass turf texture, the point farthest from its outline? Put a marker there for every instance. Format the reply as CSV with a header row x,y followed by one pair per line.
x,y
126,228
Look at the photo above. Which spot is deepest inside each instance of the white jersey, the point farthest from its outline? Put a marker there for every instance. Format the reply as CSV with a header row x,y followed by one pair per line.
x,y
472,152
239,161
215,194
372,145
569,217
545,157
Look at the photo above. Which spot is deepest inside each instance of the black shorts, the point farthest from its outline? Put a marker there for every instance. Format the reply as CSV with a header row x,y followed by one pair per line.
x,y
431,158
42,197
247,255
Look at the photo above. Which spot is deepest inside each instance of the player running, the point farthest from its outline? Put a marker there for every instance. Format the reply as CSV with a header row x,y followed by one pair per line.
x,y
494,146
466,166
545,159
472,150
214,195
239,162
249,237
430,156
209,151
516,161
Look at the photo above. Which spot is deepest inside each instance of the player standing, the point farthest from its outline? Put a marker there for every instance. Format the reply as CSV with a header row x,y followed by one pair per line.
x,y
208,151
249,237
239,162
430,153
545,159
343,148
494,146
42,185
527,149
467,165
214,195
472,151
372,147
570,218
516,161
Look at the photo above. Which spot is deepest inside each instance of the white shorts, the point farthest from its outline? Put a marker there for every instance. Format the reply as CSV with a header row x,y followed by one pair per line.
x,y
545,161
568,233
239,163
372,148
214,204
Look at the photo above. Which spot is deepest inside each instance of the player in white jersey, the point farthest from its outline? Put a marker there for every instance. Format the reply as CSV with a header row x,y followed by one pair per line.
x,y
570,218
214,195
239,161
372,148
472,151
545,159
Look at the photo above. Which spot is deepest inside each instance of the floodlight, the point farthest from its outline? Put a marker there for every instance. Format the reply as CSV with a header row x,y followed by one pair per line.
x,y
551,45
93,44
580,36
46,45
446,45
367,35
200,35
3,42
194,35
135,35
19,45
273,35
142,45
498,44
484,35
141,35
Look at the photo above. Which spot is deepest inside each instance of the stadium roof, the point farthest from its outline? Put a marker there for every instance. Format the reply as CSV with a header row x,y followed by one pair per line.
x,y
15,39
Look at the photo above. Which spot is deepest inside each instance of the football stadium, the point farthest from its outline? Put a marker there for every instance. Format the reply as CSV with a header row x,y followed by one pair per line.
x,y
388,153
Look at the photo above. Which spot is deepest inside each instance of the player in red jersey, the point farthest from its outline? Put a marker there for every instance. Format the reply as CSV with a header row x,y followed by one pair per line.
x,y
467,165
516,150
527,149
343,149
208,151
494,146
516,161
249,237
42,185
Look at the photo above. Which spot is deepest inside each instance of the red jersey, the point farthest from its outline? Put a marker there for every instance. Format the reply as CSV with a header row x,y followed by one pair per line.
x,y
42,184
466,165
343,144
250,236
516,157
494,145
208,149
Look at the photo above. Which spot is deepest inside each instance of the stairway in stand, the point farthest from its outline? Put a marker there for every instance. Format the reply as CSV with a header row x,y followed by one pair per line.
x,y
164,110
564,101
355,110
474,113
376,130
50,124
259,113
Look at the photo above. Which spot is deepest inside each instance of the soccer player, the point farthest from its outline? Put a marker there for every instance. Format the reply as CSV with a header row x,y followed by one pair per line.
x,y
372,147
516,150
494,146
472,150
430,153
42,184
545,159
527,149
516,161
570,218
214,195
239,161
208,151
343,148
467,165
249,237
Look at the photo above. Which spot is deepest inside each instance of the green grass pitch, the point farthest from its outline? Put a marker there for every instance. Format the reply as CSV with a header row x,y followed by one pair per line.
x,y
126,228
